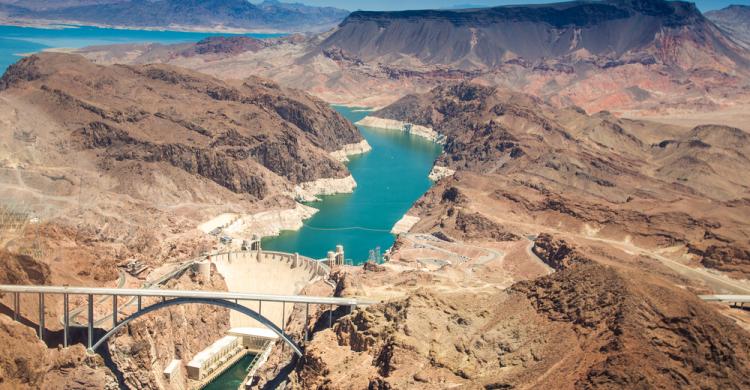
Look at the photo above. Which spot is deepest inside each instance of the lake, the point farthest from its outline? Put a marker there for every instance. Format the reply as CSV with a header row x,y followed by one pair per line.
x,y
16,40
389,179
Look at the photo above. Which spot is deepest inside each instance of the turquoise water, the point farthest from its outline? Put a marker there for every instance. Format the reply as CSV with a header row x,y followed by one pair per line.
x,y
232,378
20,40
389,179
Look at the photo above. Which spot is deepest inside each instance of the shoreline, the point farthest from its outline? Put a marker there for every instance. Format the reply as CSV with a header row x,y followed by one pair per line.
x,y
62,25
309,191
349,150
392,124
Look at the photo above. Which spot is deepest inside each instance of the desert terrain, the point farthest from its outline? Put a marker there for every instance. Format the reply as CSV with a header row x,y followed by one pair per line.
x,y
593,184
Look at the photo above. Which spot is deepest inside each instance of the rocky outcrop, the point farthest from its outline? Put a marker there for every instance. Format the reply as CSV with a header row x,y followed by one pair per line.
x,y
587,326
391,124
26,363
20,269
586,174
309,191
641,325
557,254
439,172
145,347
283,131
351,150
474,226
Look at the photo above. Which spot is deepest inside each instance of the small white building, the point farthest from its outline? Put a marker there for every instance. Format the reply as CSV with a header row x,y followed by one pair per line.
x,y
211,358
254,339
172,371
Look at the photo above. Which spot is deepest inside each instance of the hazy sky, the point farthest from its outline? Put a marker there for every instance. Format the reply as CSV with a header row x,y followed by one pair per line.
x,y
705,5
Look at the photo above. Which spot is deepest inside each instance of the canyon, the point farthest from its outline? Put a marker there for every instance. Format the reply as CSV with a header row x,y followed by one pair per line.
x,y
590,184
657,59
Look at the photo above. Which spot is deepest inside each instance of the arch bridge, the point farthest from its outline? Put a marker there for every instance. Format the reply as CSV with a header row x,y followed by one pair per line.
x,y
164,299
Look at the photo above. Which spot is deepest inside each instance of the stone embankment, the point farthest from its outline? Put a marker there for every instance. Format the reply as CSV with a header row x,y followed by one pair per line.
x,y
271,222
439,172
404,224
351,150
392,124
309,191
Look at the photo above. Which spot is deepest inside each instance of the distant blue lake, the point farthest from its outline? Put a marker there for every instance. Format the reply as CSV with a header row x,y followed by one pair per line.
x,y
16,40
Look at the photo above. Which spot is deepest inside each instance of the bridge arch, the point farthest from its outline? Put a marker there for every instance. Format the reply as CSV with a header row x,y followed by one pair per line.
x,y
206,301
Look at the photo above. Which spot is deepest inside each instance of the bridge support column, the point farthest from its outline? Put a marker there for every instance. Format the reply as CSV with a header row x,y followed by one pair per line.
x,y
114,310
307,314
283,320
16,306
66,321
138,298
41,316
91,321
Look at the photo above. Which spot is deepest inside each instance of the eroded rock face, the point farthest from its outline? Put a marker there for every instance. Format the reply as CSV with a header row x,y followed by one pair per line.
x,y
588,326
488,37
222,132
475,225
593,175
557,254
639,327
147,345
26,363
22,269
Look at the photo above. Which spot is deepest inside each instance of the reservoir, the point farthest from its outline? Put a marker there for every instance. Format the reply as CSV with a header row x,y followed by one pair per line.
x,y
15,40
389,179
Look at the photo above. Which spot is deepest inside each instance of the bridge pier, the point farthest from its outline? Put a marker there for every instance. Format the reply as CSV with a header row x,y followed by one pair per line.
x,y
41,316
91,321
16,306
66,321
114,310
307,315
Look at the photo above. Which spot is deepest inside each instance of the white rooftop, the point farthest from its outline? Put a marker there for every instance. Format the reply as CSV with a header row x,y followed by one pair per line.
x,y
256,332
173,365
211,351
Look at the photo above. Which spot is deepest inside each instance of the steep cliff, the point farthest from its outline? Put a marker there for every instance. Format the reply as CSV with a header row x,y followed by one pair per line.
x,y
735,20
633,182
586,327
205,127
26,363
641,31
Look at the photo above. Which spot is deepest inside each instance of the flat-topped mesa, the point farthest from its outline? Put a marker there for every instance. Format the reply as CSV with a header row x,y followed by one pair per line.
x,y
488,37
249,137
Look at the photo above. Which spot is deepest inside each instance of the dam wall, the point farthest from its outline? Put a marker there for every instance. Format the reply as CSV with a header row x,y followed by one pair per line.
x,y
266,272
